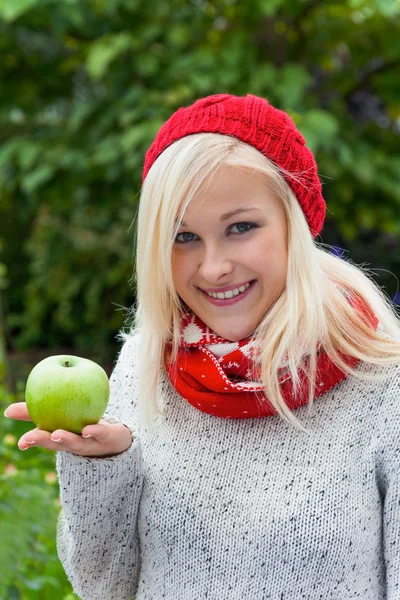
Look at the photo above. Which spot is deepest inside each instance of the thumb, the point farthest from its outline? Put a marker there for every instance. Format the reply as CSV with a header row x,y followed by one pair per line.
x,y
17,411
102,431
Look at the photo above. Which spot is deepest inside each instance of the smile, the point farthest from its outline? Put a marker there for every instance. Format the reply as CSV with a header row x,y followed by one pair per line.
x,y
230,293
231,296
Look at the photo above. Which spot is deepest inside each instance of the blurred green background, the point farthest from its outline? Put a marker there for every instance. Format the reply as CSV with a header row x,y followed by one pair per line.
x,y
85,84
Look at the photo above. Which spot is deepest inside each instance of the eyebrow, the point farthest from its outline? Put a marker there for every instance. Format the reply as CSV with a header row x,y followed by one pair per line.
x,y
232,213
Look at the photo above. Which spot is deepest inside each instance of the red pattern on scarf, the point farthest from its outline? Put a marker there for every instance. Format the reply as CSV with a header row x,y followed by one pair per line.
x,y
219,386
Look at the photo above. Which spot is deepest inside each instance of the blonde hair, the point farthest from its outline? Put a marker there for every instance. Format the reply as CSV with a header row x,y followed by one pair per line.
x,y
312,313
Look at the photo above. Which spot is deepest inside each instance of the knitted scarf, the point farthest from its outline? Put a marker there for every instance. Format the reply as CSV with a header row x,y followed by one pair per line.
x,y
218,377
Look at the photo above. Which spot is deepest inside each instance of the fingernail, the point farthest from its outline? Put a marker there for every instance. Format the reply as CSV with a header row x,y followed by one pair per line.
x,y
57,440
87,436
5,412
30,444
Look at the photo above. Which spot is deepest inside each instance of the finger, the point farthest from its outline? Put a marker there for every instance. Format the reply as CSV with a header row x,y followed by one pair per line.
x,y
57,440
71,442
34,437
101,431
110,439
18,411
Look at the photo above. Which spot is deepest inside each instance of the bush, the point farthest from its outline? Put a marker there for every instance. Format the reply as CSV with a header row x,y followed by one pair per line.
x,y
90,82
29,506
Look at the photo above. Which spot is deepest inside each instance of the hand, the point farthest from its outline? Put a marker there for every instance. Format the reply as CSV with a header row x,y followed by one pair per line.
x,y
99,440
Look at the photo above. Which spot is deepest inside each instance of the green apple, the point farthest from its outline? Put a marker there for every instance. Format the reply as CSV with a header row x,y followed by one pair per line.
x,y
66,392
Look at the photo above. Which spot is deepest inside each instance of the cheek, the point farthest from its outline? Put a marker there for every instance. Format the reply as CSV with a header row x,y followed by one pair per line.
x,y
181,270
271,259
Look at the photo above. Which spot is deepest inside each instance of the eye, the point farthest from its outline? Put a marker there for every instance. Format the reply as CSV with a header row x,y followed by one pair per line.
x,y
242,228
185,237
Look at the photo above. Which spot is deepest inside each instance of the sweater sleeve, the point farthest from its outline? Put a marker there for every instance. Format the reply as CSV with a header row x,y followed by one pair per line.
x,y
388,438
97,538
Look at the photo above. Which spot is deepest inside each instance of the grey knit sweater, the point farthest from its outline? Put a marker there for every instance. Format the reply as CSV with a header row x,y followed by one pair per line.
x,y
210,508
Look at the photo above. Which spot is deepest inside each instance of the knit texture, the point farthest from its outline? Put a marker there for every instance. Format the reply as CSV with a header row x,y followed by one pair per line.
x,y
225,509
254,121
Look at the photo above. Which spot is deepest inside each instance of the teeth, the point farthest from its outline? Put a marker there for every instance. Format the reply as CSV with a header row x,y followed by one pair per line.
x,y
230,294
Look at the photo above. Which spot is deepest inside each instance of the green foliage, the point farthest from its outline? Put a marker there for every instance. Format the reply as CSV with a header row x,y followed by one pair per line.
x,y
29,506
86,85
90,82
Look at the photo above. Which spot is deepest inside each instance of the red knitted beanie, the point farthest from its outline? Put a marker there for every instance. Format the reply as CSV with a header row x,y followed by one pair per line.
x,y
254,121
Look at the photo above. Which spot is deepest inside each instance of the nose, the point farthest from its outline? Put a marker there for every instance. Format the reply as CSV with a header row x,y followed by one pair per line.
x,y
214,264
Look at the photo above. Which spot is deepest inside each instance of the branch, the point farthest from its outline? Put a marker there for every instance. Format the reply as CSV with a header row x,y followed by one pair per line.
x,y
5,369
307,8
297,24
375,67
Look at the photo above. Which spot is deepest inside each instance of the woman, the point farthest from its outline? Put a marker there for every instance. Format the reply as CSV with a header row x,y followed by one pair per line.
x,y
251,446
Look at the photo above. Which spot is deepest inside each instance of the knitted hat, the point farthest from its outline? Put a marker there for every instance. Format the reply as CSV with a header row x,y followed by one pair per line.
x,y
254,121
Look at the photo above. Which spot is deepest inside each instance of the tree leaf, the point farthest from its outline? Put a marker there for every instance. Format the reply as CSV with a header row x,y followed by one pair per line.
x,y
104,51
37,178
10,10
319,128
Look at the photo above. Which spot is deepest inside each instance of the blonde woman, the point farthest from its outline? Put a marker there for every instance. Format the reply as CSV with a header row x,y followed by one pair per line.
x,y
251,448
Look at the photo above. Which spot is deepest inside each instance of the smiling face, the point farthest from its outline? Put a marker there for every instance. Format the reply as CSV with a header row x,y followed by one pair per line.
x,y
229,260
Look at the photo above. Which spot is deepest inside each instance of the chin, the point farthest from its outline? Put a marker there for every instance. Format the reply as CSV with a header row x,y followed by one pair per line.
x,y
233,335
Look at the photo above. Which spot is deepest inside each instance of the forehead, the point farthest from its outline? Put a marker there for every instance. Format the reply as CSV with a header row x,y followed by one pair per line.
x,y
229,191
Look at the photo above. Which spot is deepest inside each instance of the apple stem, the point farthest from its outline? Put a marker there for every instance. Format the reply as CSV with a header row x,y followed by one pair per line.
x,y
67,363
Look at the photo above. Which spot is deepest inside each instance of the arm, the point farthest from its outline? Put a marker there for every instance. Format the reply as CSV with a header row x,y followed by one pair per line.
x,y
388,460
97,529
391,534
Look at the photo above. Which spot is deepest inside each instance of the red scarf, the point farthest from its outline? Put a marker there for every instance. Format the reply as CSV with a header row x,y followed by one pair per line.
x,y
218,377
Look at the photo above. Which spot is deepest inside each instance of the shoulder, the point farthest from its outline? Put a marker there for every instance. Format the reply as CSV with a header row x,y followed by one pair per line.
x,y
388,399
381,397
124,381
381,384
384,410
126,365
371,400
128,353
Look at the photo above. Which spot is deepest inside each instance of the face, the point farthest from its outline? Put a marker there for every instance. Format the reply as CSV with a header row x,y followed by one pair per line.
x,y
229,259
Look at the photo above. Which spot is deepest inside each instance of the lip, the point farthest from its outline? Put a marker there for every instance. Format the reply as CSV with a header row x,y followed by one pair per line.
x,y
229,301
227,288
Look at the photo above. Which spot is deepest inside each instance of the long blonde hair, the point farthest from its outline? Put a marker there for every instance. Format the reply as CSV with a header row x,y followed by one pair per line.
x,y
313,312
